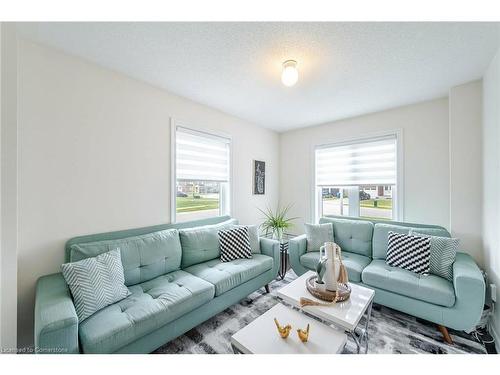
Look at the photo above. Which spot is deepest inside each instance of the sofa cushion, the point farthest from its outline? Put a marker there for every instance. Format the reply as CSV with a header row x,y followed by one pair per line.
x,y
354,236
228,275
200,244
428,288
381,236
144,257
354,263
150,306
438,232
381,232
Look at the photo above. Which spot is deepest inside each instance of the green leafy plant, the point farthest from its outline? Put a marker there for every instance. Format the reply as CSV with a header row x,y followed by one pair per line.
x,y
276,222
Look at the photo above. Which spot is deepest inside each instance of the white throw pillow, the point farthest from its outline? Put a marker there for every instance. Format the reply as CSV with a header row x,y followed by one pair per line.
x,y
318,234
443,254
96,282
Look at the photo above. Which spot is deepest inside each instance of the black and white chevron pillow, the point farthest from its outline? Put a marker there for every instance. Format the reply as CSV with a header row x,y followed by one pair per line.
x,y
234,244
412,253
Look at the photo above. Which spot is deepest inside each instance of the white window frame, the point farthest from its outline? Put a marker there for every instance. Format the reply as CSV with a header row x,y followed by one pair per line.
x,y
398,192
226,191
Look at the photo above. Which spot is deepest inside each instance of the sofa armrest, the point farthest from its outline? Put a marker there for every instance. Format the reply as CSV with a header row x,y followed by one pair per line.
x,y
297,247
470,289
56,322
468,279
271,248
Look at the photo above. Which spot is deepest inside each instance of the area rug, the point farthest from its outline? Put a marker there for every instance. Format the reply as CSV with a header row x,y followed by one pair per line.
x,y
390,331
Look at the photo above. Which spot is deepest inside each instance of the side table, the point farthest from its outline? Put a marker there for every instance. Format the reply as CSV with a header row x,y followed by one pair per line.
x,y
284,258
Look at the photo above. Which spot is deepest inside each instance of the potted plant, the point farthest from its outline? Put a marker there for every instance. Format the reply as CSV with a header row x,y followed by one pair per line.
x,y
276,222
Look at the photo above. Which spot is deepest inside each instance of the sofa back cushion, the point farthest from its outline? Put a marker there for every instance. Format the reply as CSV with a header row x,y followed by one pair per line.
x,y
201,244
381,233
144,257
354,236
120,234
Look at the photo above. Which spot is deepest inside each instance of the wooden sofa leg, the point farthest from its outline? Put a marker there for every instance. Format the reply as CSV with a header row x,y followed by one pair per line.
x,y
267,288
446,335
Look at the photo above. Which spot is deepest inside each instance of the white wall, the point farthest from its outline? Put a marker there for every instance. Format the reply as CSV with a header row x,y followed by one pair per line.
x,y
1,252
8,202
491,179
94,156
1,122
466,167
426,159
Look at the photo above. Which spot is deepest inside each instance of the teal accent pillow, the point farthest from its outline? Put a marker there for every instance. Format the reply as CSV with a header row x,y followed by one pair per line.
x,y
201,244
95,282
317,235
443,254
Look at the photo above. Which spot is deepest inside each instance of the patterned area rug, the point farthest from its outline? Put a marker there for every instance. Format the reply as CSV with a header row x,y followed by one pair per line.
x,y
390,331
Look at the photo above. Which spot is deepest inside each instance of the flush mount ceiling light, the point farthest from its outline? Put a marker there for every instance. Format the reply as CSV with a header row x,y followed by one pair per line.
x,y
290,74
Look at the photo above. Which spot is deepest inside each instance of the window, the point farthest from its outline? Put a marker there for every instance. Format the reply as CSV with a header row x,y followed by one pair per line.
x,y
357,179
202,175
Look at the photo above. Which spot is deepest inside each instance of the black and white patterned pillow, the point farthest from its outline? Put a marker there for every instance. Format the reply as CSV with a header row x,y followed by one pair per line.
x,y
443,254
412,253
96,282
234,244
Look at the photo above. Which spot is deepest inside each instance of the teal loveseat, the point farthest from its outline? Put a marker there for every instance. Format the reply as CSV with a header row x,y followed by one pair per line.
x,y
457,305
176,282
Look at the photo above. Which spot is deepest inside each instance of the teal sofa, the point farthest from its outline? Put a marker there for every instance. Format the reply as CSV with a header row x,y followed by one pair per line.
x,y
176,282
457,305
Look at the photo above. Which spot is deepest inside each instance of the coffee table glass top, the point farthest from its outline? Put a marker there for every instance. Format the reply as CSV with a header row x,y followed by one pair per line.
x,y
261,335
344,314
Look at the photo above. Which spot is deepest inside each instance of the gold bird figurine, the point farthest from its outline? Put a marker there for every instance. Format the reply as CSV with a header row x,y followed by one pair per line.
x,y
283,331
303,335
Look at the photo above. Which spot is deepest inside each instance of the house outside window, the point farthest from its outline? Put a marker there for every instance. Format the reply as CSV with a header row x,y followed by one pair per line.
x,y
201,164
358,179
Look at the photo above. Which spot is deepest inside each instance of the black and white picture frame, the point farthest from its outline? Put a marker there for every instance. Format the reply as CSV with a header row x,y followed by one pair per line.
x,y
259,177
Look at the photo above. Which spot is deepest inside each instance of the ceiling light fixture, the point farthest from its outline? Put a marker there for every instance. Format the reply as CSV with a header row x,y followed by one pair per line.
x,y
290,74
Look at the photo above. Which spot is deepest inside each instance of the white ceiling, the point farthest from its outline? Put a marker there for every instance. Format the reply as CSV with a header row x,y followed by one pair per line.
x,y
346,69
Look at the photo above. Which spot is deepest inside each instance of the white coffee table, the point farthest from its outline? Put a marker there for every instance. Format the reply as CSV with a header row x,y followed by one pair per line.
x,y
262,337
346,315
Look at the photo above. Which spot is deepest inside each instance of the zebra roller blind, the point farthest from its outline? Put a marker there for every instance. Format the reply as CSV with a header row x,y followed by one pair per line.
x,y
371,162
201,156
